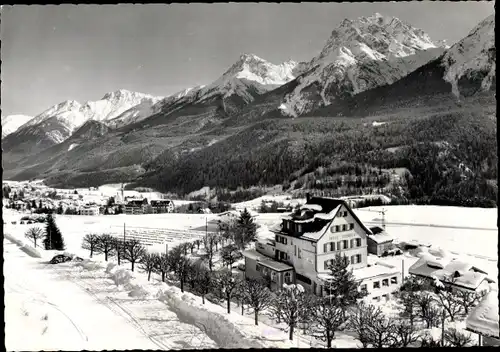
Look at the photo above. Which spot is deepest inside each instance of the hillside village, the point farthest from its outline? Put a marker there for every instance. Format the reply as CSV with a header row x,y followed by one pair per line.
x,y
347,200
298,248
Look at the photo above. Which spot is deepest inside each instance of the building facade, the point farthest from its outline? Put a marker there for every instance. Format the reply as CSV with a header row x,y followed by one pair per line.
x,y
307,242
89,211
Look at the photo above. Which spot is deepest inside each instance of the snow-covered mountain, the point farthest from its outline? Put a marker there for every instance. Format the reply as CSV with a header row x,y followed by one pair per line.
x,y
360,55
149,107
11,123
250,75
475,55
66,117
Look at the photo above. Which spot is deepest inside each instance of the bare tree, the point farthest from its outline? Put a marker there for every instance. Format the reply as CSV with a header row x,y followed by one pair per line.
x,y
162,265
91,242
468,300
133,250
209,244
107,245
204,281
381,331
404,333
147,262
359,321
455,338
182,268
327,317
450,302
230,254
291,298
409,300
425,308
228,285
257,296
35,234
119,248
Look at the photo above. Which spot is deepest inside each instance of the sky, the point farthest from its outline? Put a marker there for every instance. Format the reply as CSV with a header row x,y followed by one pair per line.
x,y
54,53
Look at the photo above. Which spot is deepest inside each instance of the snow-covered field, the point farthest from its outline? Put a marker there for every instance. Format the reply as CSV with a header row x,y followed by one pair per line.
x,y
93,305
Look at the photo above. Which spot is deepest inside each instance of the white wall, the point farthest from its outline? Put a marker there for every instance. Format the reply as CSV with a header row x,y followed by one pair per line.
x,y
378,292
330,236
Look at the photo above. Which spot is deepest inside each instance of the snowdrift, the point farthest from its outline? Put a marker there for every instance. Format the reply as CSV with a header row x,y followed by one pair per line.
x,y
29,250
215,323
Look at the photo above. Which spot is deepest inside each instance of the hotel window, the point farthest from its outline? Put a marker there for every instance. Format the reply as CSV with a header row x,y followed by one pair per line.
x,y
295,250
332,246
385,282
394,280
377,299
288,277
345,213
299,254
338,246
337,228
327,264
325,248
351,226
363,288
358,258
351,243
332,229
344,227
273,276
352,259
376,284
358,242
345,244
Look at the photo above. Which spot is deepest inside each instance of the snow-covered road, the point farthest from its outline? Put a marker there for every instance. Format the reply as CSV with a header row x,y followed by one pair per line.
x,y
49,308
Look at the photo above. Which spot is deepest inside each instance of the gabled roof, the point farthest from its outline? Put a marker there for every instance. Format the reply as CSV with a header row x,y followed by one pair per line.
x,y
329,209
484,318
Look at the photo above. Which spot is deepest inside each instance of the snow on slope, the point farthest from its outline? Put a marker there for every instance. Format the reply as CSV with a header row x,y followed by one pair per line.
x,y
249,70
361,55
150,107
11,123
474,53
70,114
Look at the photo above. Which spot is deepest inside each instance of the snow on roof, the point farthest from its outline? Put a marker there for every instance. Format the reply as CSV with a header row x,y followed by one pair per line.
x,y
315,235
484,318
367,272
381,237
266,261
316,207
446,268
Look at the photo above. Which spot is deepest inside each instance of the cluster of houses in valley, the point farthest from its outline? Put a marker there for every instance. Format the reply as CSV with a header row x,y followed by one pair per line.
x,y
27,196
301,247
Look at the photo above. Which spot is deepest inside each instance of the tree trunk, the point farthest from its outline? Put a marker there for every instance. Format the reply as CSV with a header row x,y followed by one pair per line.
x,y
106,255
242,309
163,276
290,336
34,240
182,285
149,275
256,312
91,251
328,339
203,298
228,303
132,262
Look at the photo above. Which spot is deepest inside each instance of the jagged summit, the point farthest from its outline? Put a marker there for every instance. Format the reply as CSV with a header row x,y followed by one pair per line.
x,y
361,54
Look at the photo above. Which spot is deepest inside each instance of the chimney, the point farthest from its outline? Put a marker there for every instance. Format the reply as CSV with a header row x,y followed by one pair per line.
x,y
308,197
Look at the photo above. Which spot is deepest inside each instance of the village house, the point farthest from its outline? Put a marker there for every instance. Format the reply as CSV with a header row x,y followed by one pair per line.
x,y
160,206
452,272
89,210
136,206
379,242
305,244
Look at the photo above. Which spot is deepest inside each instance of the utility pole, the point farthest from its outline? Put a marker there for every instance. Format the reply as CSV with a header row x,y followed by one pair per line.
x,y
402,271
206,228
123,232
443,317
